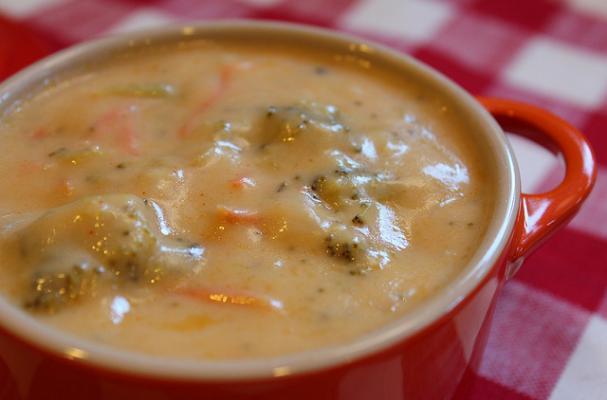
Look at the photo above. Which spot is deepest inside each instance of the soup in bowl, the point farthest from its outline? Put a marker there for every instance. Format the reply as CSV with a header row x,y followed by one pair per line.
x,y
251,210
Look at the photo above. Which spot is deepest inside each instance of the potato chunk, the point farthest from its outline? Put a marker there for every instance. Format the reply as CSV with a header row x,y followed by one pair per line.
x,y
115,239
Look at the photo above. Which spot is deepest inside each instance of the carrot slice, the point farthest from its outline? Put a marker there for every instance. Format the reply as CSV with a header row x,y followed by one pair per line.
x,y
106,121
128,138
40,133
29,167
242,182
238,215
119,119
225,78
224,296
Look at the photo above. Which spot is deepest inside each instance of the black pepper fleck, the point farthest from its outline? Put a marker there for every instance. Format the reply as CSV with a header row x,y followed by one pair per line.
x,y
319,70
281,187
57,152
357,220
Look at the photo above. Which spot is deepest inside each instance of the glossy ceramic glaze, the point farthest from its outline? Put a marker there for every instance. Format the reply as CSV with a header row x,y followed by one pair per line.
x,y
427,354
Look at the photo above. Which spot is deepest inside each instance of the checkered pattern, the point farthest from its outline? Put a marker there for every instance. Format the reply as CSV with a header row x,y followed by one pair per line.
x,y
549,338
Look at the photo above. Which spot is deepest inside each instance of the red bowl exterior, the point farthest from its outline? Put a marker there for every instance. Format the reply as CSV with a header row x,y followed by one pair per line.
x,y
428,365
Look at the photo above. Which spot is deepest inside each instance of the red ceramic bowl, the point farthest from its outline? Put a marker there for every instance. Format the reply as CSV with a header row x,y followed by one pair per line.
x,y
423,355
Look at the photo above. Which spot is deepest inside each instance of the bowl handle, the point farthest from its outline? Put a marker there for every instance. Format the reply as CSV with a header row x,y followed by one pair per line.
x,y
541,215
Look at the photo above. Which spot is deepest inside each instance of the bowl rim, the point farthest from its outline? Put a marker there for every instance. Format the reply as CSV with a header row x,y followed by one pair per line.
x,y
87,353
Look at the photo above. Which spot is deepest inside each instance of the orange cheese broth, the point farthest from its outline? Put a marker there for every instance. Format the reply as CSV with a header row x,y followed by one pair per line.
x,y
309,233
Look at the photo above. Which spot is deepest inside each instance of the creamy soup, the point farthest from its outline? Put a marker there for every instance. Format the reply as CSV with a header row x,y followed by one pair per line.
x,y
224,200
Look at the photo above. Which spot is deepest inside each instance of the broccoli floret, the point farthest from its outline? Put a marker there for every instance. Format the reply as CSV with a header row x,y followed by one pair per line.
x,y
285,124
115,239
345,244
52,291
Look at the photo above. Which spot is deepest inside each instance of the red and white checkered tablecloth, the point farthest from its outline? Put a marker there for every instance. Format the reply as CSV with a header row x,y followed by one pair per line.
x,y
549,336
